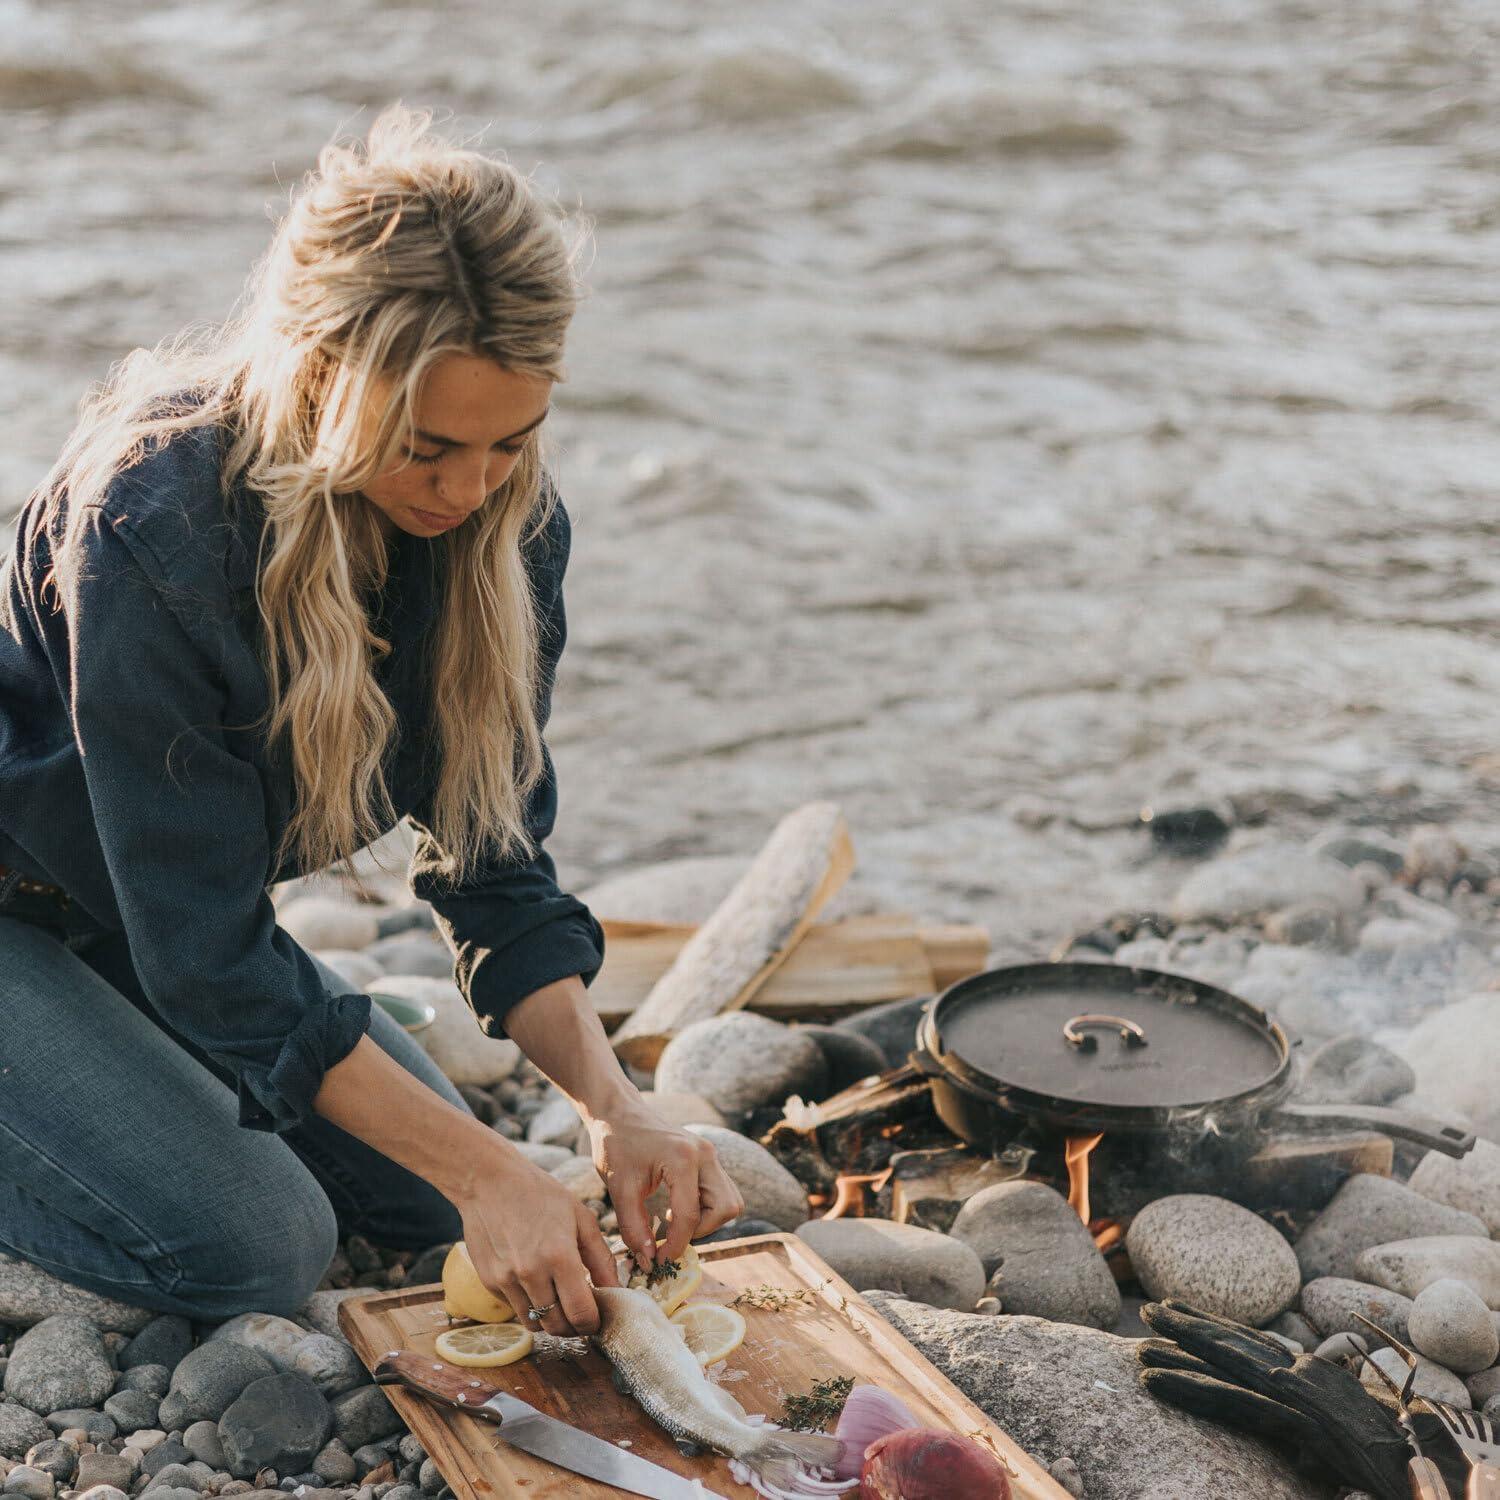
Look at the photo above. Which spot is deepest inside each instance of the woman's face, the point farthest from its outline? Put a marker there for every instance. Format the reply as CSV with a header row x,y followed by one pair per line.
x,y
472,419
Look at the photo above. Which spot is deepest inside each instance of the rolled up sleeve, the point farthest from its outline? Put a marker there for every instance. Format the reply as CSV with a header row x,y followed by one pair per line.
x,y
182,823
510,926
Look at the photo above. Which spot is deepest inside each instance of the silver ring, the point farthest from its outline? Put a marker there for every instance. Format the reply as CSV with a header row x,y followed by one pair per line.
x,y
536,1314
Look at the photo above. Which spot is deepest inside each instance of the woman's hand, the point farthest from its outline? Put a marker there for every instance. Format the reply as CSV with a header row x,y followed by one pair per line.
x,y
533,1242
637,1152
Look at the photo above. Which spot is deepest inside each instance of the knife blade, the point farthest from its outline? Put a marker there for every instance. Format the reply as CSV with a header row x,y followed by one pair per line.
x,y
524,1427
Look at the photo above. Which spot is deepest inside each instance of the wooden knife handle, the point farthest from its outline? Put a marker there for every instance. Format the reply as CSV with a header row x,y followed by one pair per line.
x,y
1426,1480
437,1380
1484,1483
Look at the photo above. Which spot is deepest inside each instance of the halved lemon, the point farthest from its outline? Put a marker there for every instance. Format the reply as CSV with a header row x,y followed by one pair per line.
x,y
485,1345
466,1296
673,1290
712,1331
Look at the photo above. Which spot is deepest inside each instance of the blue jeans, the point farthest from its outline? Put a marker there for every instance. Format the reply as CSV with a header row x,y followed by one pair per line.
x,y
123,1167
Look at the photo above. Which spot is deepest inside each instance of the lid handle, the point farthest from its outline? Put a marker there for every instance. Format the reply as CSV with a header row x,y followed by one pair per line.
x,y
1076,1036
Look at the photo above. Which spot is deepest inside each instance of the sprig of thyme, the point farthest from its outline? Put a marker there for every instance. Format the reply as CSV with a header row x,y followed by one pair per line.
x,y
820,1406
661,1270
771,1298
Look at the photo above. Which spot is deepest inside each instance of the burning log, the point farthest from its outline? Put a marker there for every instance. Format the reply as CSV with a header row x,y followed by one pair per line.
x,y
861,1128
929,1187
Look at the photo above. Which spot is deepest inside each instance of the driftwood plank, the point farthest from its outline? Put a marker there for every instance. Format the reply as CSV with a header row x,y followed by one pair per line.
x,y
837,968
727,960
833,1330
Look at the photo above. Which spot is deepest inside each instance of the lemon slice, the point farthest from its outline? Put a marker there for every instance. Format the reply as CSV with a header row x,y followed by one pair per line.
x,y
672,1291
712,1331
465,1295
485,1345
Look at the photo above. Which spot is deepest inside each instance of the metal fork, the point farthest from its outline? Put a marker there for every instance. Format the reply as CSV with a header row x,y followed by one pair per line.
x,y
1473,1433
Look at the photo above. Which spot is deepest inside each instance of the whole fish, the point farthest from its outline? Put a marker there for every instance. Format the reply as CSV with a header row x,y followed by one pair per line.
x,y
654,1364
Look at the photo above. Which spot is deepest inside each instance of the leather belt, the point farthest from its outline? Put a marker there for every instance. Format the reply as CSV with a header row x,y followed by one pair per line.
x,y
12,880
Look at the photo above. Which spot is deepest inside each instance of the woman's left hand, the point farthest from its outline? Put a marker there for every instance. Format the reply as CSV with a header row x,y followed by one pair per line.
x,y
637,1152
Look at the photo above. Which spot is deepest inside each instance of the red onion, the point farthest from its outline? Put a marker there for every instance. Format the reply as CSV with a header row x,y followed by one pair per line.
x,y
869,1413
923,1464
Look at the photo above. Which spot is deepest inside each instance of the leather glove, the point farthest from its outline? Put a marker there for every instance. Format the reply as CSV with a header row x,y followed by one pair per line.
x,y
1313,1409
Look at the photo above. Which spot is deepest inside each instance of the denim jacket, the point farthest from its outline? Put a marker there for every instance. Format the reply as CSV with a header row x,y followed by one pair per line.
x,y
155,651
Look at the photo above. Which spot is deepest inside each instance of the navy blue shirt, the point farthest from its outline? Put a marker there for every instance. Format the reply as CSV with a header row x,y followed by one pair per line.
x,y
156,651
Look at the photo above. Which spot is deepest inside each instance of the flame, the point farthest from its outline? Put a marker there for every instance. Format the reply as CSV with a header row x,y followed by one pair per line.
x,y
1107,1233
1076,1153
850,1200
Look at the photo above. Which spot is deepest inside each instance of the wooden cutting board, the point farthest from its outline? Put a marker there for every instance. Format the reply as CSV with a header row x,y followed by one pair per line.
x,y
833,1332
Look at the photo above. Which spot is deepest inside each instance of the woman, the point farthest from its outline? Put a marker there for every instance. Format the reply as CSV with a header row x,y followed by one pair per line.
x,y
290,580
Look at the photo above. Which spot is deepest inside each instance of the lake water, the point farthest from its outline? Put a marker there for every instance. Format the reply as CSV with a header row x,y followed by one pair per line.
x,y
996,418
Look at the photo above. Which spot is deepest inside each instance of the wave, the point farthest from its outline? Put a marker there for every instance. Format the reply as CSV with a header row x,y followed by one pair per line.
x,y
726,82
47,64
958,117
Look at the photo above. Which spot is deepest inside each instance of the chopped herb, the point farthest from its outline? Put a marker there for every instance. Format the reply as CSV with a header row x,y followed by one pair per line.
x,y
771,1298
820,1406
662,1270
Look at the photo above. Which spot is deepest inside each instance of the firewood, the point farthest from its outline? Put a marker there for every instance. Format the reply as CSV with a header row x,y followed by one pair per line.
x,y
837,969
730,957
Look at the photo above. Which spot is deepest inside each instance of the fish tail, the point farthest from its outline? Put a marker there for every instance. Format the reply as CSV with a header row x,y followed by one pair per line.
x,y
781,1456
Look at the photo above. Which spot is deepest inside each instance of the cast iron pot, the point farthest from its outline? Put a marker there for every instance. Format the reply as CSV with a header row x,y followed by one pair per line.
x,y
1084,1047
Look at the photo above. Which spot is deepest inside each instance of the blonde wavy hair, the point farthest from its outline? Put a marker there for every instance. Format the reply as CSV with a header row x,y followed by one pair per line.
x,y
397,251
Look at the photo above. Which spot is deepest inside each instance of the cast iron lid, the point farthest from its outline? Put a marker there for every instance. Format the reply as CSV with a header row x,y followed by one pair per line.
x,y
1105,1034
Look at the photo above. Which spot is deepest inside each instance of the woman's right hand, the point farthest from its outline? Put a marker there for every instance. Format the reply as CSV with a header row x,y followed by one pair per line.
x,y
535,1244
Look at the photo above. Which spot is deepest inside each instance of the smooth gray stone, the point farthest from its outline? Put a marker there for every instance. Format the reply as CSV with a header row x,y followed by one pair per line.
x,y
848,1055
370,1456
29,1483
163,1454
1213,1255
102,1492
279,1420
1355,1070
58,1363
98,1426
769,1190
919,1263
363,1416
1065,1391
740,1061
175,1476
154,1380
57,1458
411,1450
163,1341
1039,1255
892,1026
429,1478
334,1464
1432,1379
1330,1302
171,1492
1451,1325
207,1380
28,1294
1471,1184
403,1492
321,1310
330,1363
133,1410
202,1441
1484,1386
1369,1210
1295,1327
105,1468
20,1429
1409,1265
1342,1346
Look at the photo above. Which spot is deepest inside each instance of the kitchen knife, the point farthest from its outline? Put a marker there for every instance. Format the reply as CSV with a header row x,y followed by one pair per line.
x,y
523,1426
